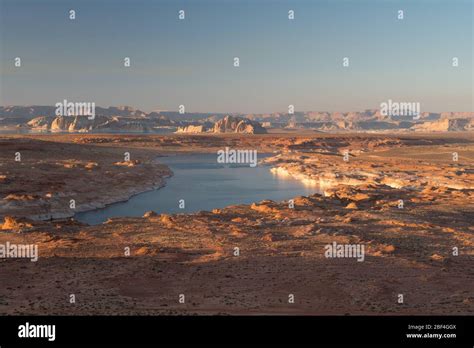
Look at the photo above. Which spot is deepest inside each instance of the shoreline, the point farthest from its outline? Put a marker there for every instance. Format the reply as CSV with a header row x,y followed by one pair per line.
x,y
408,236
76,179
261,164
129,196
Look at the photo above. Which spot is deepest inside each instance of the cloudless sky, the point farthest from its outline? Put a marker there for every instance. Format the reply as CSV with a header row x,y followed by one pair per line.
x,y
282,62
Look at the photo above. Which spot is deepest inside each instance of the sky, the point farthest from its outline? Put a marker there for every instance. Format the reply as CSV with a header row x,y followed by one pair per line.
x,y
190,62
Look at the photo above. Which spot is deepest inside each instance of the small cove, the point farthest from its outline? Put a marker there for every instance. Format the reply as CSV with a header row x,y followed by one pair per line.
x,y
204,184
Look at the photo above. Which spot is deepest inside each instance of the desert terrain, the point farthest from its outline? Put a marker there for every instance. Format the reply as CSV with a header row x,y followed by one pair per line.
x,y
408,198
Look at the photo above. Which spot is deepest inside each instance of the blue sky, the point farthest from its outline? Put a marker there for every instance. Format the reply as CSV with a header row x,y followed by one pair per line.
x,y
283,62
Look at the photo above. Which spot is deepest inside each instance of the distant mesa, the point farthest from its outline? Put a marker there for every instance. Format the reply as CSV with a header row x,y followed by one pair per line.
x,y
229,124
127,119
446,125
112,119
191,129
82,124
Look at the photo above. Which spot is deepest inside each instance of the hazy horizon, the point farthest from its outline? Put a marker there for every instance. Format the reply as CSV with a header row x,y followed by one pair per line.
x,y
233,112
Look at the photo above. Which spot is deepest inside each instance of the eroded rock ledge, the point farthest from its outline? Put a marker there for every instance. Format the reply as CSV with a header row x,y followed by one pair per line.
x,y
50,175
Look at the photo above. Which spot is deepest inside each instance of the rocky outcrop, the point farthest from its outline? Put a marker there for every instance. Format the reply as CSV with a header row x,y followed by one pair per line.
x,y
16,224
191,129
83,124
78,123
42,123
446,125
230,124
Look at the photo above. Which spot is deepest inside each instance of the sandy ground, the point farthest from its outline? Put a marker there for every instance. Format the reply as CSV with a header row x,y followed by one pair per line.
x,y
408,250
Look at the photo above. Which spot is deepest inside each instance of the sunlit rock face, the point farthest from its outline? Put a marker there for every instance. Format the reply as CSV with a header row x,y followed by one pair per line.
x,y
84,124
191,129
230,124
446,125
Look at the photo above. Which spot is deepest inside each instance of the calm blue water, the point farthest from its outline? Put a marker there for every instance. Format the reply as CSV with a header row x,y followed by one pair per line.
x,y
204,184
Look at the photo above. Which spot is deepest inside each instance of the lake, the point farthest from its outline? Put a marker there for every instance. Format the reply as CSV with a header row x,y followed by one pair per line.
x,y
204,184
